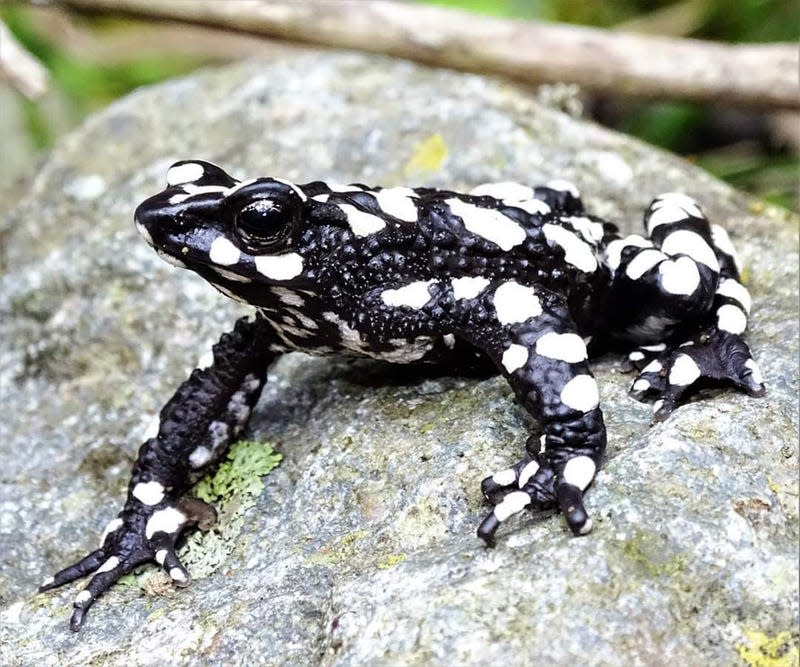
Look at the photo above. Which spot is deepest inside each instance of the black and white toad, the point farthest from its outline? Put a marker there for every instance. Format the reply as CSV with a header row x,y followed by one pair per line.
x,y
518,277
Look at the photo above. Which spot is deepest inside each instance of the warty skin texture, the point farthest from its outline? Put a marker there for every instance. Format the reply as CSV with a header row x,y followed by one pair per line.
x,y
517,277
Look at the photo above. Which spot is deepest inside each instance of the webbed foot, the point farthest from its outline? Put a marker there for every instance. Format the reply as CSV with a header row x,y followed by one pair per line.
x,y
717,358
140,534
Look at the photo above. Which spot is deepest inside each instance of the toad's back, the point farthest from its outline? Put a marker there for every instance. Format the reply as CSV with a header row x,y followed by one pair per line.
x,y
403,237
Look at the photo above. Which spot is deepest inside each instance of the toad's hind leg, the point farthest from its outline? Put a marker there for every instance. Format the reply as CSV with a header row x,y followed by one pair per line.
x,y
535,345
694,310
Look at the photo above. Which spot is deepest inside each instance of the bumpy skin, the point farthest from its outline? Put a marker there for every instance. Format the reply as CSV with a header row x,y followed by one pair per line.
x,y
517,275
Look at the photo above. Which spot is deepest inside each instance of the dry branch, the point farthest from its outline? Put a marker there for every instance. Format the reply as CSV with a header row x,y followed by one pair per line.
x,y
21,68
611,62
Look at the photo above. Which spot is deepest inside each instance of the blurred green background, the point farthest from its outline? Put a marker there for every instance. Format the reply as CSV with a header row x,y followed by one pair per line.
x,y
93,60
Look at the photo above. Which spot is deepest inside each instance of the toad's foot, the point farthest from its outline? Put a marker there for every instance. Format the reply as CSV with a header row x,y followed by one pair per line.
x,y
532,485
140,534
715,358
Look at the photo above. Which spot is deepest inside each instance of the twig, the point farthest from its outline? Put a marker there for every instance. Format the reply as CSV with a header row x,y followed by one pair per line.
x,y
613,62
21,68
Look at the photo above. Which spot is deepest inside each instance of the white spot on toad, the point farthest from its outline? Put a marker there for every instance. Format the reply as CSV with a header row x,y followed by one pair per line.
x,y
113,526
414,295
168,520
362,224
563,185
504,477
679,276
615,248
527,472
468,287
733,289
581,394
753,366
579,471
109,565
176,574
567,347
653,367
488,223
289,297
592,232
684,371
83,596
512,504
199,457
398,202
692,244
188,172
223,252
643,262
721,239
532,206
279,267
516,303
149,493
576,252
507,190
731,319
515,357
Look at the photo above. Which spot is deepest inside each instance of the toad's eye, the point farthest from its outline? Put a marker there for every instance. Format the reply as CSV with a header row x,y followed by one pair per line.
x,y
263,223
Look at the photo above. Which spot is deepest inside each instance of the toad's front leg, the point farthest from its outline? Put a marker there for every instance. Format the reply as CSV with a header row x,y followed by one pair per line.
x,y
207,412
534,344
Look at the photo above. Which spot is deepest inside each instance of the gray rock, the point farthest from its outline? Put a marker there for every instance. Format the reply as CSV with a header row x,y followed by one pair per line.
x,y
360,548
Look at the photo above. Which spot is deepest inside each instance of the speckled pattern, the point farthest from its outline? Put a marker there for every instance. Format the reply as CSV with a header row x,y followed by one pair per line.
x,y
361,548
371,272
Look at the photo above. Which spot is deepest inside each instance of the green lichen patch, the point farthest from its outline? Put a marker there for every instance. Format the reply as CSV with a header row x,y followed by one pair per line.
x,y
761,650
240,473
338,551
391,560
428,156
233,489
645,551
696,432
